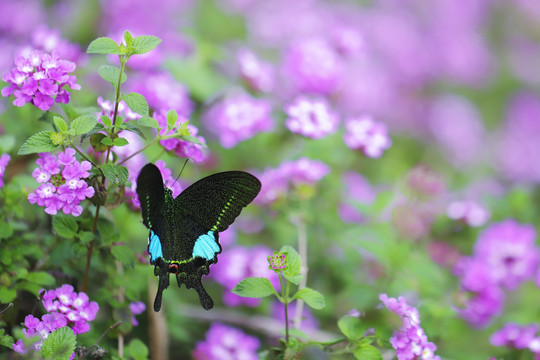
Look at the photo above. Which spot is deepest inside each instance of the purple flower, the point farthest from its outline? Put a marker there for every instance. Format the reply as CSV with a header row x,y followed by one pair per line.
x,y
276,183
237,263
136,308
237,118
4,161
38,78
257,74
363,133
46,39
65,307
312,118
62,185
468,211
410,341
163,92
312,67
180,147
225,342
514,335
357,190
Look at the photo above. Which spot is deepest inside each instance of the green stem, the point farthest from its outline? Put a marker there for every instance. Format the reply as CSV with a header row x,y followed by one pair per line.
x,y
116,103
87,158
285,295
90,250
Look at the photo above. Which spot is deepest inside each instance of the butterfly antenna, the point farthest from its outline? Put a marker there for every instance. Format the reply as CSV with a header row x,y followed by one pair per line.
x,y
181,171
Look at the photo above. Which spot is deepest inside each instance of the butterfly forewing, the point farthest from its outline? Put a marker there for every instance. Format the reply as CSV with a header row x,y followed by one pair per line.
x,y
217,200
151,194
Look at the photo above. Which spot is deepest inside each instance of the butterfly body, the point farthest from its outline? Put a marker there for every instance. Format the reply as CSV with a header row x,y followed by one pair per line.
x,y
184,231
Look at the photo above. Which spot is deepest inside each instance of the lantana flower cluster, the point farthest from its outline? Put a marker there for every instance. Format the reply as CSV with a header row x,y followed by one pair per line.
x,y
179,146
62,185
410,341
468,211
39,78
65,307
225,342
4,161
277,182
505,255
519,337
365,134
312,118
258,75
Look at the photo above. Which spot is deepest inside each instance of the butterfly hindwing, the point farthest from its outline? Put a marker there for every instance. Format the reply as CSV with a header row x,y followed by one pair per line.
x,y
216,200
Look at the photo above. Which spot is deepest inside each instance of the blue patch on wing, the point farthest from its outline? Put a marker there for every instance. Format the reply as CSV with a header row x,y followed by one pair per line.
x,y
154,248
206,246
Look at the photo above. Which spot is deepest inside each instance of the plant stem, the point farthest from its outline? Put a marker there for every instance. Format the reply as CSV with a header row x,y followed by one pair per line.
x,y
140,150
90,249
87,158
285,296
116,103
121,299
302,251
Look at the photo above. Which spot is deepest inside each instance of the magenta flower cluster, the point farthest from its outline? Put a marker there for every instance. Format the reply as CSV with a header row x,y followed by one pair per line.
x,y
237,118
468,211
65,307
516,336
311,118
505,255
225,342
257,74
136,308
365,134
238,263
39,78
277,182
410,341
4,161
180,147
62,185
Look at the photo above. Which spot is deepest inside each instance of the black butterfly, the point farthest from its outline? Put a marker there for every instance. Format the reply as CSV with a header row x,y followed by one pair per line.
x,y
184,232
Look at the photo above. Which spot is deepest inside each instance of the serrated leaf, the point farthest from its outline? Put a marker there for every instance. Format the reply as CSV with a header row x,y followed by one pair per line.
x,y
352,327
145,43
106,120
311,297
111,74
254,287
65,226
148,121
86,237
124,254
367,352
6,340
59,345
7,295
107,230
60,123
84,124
107,141
41,278
109,170
292,273
137,350
96,140
133,128
40,142
137,103
120,142
172,117
103,45
128,38
123,174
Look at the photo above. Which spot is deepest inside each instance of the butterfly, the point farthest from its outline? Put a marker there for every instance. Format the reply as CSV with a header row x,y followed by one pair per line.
x,y
184,231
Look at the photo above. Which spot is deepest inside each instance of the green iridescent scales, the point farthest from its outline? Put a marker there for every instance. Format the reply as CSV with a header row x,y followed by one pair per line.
x,y
208,206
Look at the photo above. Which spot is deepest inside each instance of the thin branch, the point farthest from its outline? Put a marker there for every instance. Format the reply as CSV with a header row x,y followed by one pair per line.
x,y
113,326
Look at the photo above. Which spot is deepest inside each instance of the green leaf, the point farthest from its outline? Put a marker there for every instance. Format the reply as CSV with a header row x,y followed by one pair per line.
x,y
109,170
107,141
60,123
40,142
41,278
86,237
254,287
7,295
120,142
172,116
129,126
148,121
145,43
59,345
96,140
106,120
123,174
292,273
6,340
111,74
84,124
137,350
65,226
311,297
128,38
352,327
124,254
367,352
103,45
137,103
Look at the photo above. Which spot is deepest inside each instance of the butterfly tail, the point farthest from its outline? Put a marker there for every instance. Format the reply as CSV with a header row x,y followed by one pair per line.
x,y
194,282
205,299
162,285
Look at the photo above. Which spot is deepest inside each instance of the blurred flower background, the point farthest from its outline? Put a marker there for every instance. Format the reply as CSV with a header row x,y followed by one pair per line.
x,y
396,142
